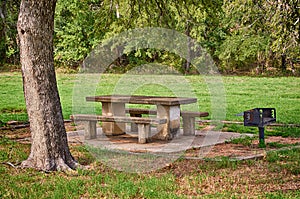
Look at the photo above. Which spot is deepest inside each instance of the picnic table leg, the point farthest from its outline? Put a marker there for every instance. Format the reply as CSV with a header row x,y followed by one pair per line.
x,y
113,109
172,128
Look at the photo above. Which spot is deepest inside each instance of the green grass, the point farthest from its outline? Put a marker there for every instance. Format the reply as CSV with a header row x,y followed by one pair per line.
x,y
12,105
239,128
282,93
285,161
242,93
273,177
96,183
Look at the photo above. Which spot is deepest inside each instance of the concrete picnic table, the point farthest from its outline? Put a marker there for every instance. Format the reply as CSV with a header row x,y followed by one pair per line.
x,y
167,107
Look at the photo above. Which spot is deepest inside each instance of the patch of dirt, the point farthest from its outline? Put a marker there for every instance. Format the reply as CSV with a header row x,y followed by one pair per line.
x,y
22,131
245,181
240,150
224,150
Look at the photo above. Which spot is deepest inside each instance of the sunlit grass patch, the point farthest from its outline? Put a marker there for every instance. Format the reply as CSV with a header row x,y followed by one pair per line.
x,y
242,93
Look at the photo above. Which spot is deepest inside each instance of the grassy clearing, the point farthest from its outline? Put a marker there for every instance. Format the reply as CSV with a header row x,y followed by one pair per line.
x,y
276,176
242,93
12,106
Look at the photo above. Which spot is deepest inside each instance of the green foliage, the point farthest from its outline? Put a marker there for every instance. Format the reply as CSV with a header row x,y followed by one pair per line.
x,y
80,26
78,29
240,35
260,33
8,32
284,24
242,51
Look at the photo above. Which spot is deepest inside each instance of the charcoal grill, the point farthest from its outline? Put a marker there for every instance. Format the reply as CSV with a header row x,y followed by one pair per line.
x,y
260,117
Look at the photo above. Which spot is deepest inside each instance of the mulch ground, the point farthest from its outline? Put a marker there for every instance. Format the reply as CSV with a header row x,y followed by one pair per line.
x,y
240,151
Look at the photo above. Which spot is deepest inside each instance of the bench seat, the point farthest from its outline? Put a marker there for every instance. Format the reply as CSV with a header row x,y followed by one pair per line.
x,y
188,118
142,123
188,121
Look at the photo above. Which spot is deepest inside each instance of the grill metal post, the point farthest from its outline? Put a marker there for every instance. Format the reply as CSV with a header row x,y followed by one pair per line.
x,y
262,143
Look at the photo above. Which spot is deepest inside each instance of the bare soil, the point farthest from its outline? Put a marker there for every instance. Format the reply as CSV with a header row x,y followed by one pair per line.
x,y
241,151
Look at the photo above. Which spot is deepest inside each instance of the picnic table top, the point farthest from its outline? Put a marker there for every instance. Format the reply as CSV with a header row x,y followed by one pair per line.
x,y
139,99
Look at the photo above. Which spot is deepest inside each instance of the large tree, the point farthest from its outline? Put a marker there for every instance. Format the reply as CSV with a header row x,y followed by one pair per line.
x,y
49,149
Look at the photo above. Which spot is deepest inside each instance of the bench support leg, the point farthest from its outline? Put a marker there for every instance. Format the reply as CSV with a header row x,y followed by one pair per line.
x,y
144,131
134,126
90,130
188,124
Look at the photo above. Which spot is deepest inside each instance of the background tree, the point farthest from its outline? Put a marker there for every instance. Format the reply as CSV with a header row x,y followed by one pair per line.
x,y
12,53
239,34
49,149
9,52
262,34
2,32
79,27
285,25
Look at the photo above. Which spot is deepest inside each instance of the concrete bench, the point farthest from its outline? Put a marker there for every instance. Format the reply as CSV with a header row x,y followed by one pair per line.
x,y
188,121
143,124
188,118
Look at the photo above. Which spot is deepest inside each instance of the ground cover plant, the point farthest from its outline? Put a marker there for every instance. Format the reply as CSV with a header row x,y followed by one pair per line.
x,y
274,175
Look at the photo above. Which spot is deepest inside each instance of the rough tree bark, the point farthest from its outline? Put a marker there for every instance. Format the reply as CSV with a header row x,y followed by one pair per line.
x,y
49,149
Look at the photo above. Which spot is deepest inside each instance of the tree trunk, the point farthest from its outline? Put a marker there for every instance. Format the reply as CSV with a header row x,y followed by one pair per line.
x,y
49,149
2,32
187,63
283,63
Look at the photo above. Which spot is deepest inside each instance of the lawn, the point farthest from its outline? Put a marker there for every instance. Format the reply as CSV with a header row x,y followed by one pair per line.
x,y
241,93
276,175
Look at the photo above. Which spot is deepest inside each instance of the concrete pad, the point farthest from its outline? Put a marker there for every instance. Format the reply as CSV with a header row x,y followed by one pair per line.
x,y
129,141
